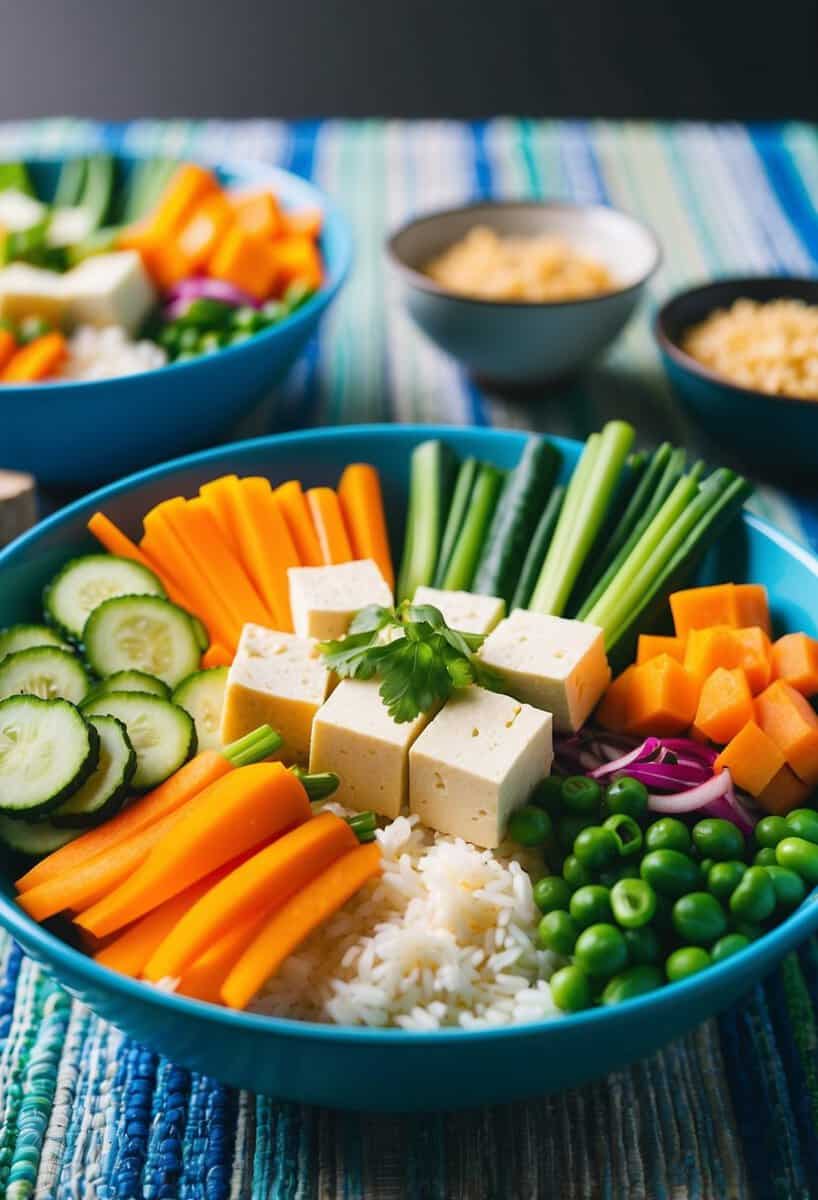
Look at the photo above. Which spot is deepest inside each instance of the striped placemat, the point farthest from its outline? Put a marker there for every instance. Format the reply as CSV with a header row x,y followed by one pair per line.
x,y
732,1110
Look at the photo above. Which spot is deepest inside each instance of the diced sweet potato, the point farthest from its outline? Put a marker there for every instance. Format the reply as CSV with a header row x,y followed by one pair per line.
x,y
611,710
661,698
725,705
721,646
704,607
794,658
783,793
752,758
752,606
166,262
651,645
247,261
790,721
204,228
259,213
297,258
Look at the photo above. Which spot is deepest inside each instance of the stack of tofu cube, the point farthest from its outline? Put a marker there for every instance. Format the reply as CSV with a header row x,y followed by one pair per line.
x,y
463,769
106,289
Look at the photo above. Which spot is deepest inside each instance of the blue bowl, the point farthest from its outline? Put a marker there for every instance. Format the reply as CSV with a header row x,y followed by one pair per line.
x,y
389,1069
775,434
84,433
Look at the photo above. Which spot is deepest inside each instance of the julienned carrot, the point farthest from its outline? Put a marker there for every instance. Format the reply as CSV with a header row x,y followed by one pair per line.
x,y
267,550
36,361
8,348
295,920
295,510
129,952
216,498
116,542
260,885
204,978
362,504
203,770
244,809
217,656
329,525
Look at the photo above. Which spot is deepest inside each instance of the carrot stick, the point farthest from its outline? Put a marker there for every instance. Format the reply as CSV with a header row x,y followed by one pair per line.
x,y
217,500
291,924
329,525
116,542
362,505
204,978
294,508
8,348
240,811
260,885
217,656
37,360
267,549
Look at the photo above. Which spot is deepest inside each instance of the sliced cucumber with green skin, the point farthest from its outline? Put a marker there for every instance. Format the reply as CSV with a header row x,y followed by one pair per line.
x,y
432,471
103,792
458,508
84,583
537,550
24,637
127,681
44,671
34,840
473,531
142,633
202,636
202,695
162,734
47,751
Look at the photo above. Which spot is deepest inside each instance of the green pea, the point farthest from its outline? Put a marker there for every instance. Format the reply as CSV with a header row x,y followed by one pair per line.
x,y
765,857
596,847
529,826
551,892
698,918
569,827
240,336
727,946
204,313
571,989
670,873
724,877
591,905
580,794
601,950
789,887
688,960
273,311
704,866
558,931
548,794
627,833
186,356
715,838
770,831
298,293
247,319
668,834
169,338
803,823
211,341
574,873
633,902
754,898
188,340
635,981
627,796
800,856
643,945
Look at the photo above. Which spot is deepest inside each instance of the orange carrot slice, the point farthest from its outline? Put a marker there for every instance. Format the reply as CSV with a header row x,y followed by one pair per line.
x,y
217,656
306,223
295,510
362,505
116,542
129,952
291,924
8,348
267,550
204,978
329,525
37,360
216,497
188,187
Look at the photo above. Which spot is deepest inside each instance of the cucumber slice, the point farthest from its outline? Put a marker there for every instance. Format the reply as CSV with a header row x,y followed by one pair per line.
x,y
202,636
44,671
104,792
144,633
34,840
162,734
84,583
47,751
23,637
128,681
202,695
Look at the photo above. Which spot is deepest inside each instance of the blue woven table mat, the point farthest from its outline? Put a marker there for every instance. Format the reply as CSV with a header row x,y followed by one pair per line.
x,y
732,1110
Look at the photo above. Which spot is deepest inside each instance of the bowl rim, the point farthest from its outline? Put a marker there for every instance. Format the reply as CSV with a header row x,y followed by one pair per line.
x,y
424,283
688,363
247,171
796,927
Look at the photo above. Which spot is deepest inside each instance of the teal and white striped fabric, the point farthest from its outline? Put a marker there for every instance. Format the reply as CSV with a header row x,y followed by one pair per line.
x,y
732,1111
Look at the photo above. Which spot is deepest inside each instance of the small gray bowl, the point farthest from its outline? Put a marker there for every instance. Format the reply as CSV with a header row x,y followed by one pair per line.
x,y
522,342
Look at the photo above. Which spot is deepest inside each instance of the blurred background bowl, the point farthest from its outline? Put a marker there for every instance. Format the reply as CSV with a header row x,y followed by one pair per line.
x,y
523,342
774,434
87,432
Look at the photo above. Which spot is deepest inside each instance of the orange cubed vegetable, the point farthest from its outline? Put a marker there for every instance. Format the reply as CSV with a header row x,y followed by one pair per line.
x,y
754,656
8,348
305,223
704,607
203,229
794,658
651,645
612,708
783,793
187,188
721,646
297,258
166,262
37,360
752,758
790,721
247,261
725,705
258,213
662,698
752,606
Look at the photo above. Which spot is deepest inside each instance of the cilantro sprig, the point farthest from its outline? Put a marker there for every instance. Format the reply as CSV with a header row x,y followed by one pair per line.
x,y
419,660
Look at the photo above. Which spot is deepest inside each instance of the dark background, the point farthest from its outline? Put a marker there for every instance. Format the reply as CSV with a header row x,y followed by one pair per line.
x,y
290,58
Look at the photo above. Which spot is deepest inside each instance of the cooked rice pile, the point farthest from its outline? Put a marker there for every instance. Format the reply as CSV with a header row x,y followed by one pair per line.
x,y
770,347
518,268
443,938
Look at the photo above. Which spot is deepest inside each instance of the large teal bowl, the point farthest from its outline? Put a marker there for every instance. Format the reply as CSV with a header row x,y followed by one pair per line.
x,y
77,434
362,1068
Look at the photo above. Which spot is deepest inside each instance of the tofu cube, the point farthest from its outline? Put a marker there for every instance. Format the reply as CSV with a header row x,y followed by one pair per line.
x,y
476,762
324,600
552,663
69,225
276,679
109,289
27,291
464,610
354,735
19,211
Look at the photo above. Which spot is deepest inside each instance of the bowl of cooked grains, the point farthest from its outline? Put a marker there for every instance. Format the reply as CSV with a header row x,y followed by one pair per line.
x,y
522,292
742,355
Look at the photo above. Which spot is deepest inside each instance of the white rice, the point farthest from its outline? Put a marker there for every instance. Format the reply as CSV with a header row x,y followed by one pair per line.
x,y
107,353
443,938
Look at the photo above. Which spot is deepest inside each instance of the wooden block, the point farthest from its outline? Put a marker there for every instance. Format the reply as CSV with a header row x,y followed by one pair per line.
x,y
18,505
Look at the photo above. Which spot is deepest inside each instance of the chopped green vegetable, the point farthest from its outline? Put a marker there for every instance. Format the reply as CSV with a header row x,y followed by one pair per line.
x,y
538,548
473,532
466,475
430,487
